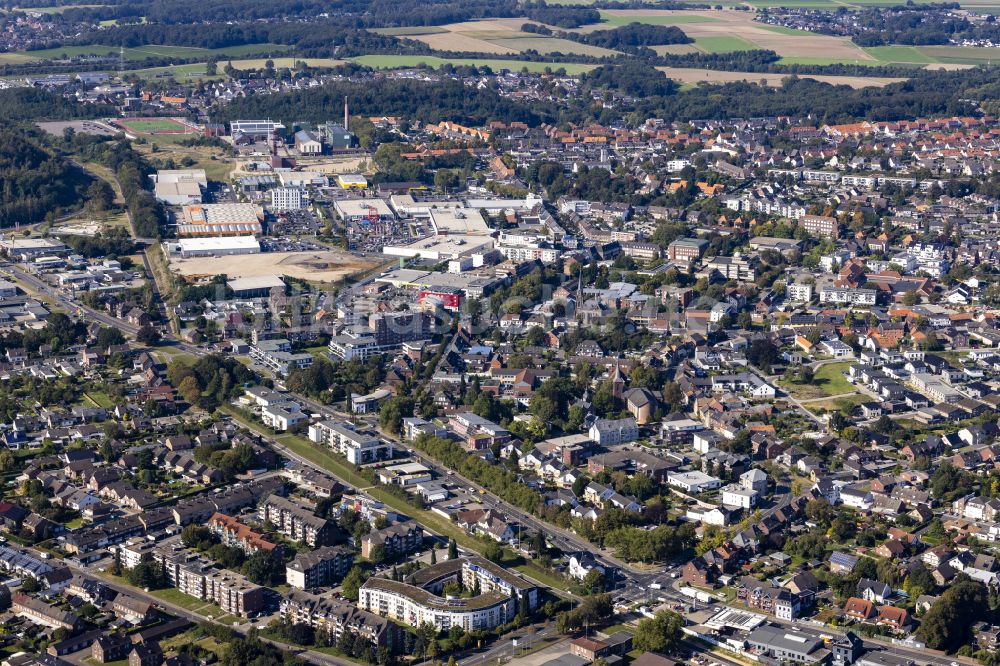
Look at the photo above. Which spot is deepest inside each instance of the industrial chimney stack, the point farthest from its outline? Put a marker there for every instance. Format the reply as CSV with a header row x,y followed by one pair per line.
x,y
346,128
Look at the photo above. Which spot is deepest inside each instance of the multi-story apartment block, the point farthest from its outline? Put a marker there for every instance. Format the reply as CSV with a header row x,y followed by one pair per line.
x,y
637,250
398,539
416,601
783,604
847,295
820,225
394,328
235,534
468,426
296,521
319,567
686,249
607,432
736,267
798,291
197,577
336,616
358,447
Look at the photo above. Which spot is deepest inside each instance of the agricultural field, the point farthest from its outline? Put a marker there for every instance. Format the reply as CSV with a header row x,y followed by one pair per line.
x,y
693,76
727,44
722,31
408,31
545,45
676,49
58,9
140,52
400,61
614,18
457,41
498,37
977,5
260,63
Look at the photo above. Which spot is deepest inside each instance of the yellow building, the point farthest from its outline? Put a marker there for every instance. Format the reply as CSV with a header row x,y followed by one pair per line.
x,y
348,181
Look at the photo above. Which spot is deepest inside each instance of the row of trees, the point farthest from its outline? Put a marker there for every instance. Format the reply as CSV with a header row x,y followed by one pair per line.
x,y
495,478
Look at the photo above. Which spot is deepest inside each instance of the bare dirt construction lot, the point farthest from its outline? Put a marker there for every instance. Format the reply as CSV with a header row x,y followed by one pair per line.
x,y
325,266
691,75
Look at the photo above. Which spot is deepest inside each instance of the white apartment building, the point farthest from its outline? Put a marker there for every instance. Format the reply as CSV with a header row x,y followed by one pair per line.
x,y
359,448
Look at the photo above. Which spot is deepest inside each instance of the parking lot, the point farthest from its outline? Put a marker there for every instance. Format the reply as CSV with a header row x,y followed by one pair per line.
x,y
301,222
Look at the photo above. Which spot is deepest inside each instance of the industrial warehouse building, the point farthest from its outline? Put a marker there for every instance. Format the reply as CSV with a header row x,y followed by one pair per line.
x,y
226,219
255,287
213,247
260,129
179,188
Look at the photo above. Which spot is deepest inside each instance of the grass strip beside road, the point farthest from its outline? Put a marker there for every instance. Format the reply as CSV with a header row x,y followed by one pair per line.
x,y
326,459
539,573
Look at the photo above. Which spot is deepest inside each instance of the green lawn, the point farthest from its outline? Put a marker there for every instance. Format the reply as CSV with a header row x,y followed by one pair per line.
x,y
724,44
831,379
169,595
828,380
178,598
324,458
846,403
543,576
99,399
400,61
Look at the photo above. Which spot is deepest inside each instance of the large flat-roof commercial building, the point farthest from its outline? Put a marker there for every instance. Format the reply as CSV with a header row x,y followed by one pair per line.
x,y
218,246
227,219
358,210
23,249
441,248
